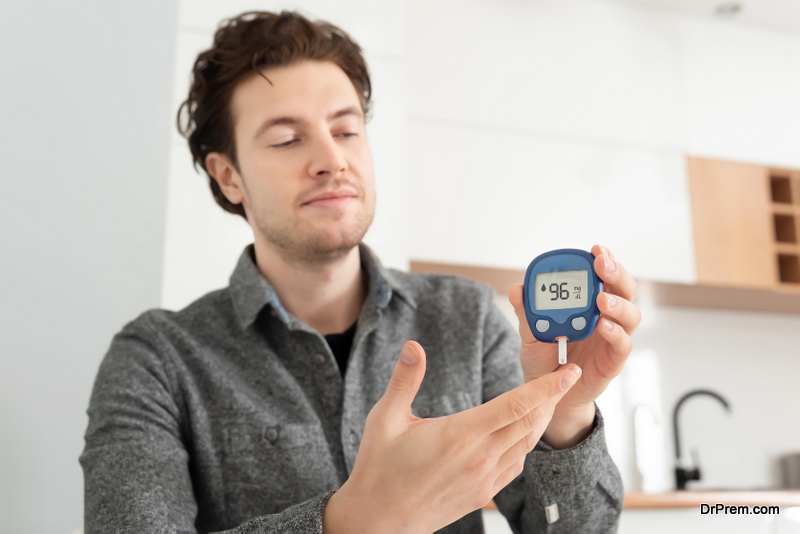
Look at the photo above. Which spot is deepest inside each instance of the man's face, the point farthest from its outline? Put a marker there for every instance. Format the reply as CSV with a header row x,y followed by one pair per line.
x,y
306,173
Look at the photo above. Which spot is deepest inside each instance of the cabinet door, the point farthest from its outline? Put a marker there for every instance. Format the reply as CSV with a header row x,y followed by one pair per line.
x,y
670,520
732,231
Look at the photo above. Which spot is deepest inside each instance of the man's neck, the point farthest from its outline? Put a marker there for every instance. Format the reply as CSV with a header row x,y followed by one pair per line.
x,y
326,295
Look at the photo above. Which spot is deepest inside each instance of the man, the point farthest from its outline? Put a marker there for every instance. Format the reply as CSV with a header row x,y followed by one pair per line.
x,y
279,404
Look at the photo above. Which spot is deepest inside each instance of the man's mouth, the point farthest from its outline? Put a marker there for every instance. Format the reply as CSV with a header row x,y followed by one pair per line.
x,y
331,199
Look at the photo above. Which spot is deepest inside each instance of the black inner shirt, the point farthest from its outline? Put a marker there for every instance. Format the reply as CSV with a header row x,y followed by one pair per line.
x,y
340,345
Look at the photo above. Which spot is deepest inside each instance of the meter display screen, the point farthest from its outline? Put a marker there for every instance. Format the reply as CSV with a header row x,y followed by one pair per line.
x,y
559,290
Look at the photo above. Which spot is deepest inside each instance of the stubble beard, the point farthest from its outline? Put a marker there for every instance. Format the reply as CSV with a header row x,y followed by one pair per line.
x,y
300,243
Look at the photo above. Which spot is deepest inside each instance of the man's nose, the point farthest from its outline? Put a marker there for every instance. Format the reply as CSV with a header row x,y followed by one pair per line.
x,y
327,157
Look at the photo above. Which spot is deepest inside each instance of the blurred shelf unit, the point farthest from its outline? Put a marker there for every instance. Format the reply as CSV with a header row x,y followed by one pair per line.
x,y
785,196
746,222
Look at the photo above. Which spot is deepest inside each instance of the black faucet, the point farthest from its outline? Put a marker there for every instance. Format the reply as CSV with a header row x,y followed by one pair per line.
x,y
683,475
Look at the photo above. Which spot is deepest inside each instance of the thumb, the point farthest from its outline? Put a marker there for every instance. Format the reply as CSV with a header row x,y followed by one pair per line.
x,y
516,299
406,379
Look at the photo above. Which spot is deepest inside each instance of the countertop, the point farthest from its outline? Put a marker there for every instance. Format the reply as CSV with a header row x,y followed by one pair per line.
x,y
693,498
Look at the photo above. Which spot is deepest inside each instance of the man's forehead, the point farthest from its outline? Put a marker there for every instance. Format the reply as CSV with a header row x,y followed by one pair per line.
x,y
306,89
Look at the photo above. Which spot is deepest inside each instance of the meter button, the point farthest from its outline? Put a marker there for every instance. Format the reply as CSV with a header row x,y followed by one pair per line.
x,y
542,325
579,323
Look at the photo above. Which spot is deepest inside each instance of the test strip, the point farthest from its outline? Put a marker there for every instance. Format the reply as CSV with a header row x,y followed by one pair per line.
x,y
562,350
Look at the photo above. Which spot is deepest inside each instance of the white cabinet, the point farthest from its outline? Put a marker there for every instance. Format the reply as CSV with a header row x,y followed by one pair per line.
x,y
689,521
741,92
576,69
499,199
551,125
685,520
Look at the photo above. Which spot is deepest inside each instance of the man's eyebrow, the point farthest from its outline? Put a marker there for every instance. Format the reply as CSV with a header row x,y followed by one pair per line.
x,y
269,123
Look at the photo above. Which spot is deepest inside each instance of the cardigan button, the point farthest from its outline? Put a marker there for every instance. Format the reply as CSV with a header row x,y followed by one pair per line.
x,y
320,359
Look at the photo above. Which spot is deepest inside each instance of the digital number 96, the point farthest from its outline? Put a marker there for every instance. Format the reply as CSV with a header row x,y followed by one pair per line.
x,y
559,291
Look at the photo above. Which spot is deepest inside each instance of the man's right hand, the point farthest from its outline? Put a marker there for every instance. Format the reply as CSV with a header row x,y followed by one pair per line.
x,y
419,475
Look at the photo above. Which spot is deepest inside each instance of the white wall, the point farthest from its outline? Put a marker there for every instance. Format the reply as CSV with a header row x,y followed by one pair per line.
x,y
84,108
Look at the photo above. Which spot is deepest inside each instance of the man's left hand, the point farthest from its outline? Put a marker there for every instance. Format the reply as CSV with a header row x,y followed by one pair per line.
x,y
601,357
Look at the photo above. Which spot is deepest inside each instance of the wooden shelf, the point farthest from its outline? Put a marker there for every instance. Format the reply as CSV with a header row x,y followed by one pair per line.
x,y
783,300
785,209
786,248
746,222
784,188
500,279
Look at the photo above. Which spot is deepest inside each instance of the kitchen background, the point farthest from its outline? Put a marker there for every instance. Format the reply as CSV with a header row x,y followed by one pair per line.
x,y
501,130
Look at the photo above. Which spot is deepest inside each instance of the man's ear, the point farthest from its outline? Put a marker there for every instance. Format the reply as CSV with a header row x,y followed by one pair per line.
x,y
222,170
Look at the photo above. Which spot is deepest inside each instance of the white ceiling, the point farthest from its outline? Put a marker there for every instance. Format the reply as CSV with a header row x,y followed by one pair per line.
x,y
783,14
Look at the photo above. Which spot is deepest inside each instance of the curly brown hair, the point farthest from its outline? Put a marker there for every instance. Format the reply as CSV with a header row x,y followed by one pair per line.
x,y
242,46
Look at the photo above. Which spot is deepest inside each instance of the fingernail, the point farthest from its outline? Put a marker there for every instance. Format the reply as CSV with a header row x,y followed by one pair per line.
x,y
569,379
610,265
408,355
612,300
605,252
607,325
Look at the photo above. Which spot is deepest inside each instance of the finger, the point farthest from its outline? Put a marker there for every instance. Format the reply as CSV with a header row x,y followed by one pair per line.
x,y
395,405
615,276
621,346
536,426
514,405
521,448
536,421
625,313
599,249
516,300
508,476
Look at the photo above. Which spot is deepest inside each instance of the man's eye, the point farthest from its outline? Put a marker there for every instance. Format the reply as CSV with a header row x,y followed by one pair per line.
x,y
287,143
347,134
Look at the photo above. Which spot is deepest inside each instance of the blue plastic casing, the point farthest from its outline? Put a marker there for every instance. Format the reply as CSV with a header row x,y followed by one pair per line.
x,y
565,259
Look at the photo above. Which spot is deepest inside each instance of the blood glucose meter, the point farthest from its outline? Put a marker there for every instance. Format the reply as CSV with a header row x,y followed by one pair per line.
x,y
560,297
